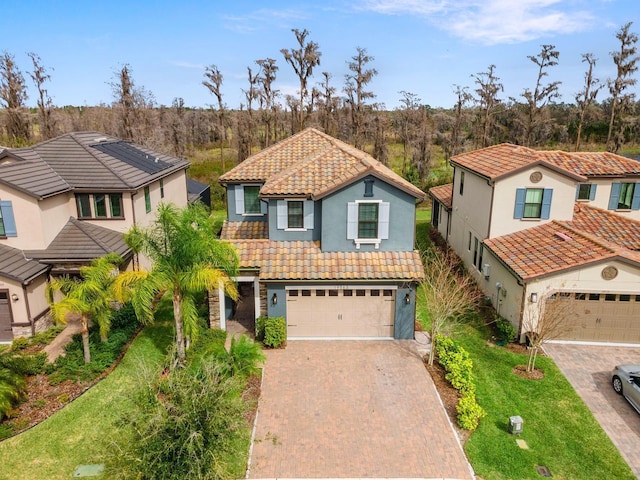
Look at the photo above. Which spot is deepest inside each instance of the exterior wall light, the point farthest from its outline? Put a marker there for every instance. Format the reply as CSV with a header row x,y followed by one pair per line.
x,y
14,297
274,299
407,299
534,297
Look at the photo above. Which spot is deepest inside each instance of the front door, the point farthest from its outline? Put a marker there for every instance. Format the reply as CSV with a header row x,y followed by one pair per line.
x,y
6,334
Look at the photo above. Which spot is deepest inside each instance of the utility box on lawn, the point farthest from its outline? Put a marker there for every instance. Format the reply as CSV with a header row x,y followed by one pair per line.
x,y
515,425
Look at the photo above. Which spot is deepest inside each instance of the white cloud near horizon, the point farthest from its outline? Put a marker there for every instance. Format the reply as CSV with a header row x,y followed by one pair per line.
x,y
493,22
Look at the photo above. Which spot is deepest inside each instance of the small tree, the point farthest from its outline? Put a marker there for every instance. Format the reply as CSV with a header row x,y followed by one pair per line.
x,y
213,83
13,95
45,105
546,320
90,297
587,95
448,293
355,84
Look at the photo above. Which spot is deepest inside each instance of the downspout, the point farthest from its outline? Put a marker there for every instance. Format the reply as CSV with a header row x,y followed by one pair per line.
x,y
136,260
26,302
522,303
499,289
493,190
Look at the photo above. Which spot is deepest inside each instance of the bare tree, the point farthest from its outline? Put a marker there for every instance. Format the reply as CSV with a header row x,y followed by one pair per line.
x,y
134,108
489,87
213,83
448,294
303,60
380,148
177,127
407,123
355,84
328,105
13,95
251,95
588,94
625,60
454,144
123,91
546,320
542,94
39,77
267,97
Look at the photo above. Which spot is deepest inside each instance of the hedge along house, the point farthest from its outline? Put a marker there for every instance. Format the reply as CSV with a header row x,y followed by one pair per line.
x,y
536,226
326,237
65,202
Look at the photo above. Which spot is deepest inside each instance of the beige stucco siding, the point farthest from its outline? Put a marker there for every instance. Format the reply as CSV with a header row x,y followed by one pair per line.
x,y
18,308
603,193
29,225
564,193
175,191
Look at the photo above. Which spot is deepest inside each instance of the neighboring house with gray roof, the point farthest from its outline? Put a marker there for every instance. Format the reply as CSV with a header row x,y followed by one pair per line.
x,y
536,226
326,238
66,201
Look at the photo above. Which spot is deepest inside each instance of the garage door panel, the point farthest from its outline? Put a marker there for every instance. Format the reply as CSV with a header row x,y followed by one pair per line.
x,y
604,318
340,313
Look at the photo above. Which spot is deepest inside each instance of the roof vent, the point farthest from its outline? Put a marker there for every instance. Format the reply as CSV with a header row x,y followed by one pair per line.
x,y
101,139
563,236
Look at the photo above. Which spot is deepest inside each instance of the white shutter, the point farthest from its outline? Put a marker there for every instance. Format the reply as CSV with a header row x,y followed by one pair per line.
x,y
239,194
308,214
352,220
282,219
383,221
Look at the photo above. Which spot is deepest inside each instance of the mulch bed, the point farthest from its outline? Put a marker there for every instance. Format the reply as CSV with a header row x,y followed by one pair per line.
x,y
521,371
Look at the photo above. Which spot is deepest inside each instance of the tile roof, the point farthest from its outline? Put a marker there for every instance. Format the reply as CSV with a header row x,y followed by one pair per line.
x,y
552,248
14,265
304,260
71,161
505,159
80,241
443,193
244,230
313,164
606,225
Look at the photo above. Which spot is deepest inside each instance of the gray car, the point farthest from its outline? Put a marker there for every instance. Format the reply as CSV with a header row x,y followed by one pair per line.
x,y
626,381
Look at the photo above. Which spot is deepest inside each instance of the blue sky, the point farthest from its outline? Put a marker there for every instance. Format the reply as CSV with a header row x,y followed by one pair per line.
x,y
420,46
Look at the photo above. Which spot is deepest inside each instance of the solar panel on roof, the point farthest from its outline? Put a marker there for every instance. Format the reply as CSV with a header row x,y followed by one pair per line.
x,y
130,155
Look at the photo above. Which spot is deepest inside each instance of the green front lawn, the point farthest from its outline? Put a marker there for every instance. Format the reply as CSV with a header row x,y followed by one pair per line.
x,y
559,429
81,432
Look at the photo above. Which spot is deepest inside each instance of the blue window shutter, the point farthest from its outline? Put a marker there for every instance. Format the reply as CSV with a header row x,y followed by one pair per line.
x,y
520,196
282,215
577,191
264,207
592,193
352,220
383,221
308,214
239,194
8,218
635,201
615,196
546,203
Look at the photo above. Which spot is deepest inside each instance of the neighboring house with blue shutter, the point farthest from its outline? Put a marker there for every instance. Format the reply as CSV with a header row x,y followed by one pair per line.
x,y
531,224
326,238
66,201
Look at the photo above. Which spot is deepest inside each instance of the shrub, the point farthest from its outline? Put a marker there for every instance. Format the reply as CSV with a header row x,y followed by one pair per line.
x,y
243,357
124,317
47,336
12,389
260,321
469,412
19,343
24,364
275,332
457,363
505,331
188,424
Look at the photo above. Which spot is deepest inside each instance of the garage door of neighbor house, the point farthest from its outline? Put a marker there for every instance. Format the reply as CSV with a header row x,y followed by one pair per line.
x,y
6,335
338,312
604,317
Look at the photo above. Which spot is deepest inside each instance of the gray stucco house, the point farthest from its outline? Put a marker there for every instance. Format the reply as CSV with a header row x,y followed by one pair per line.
x,y
326,237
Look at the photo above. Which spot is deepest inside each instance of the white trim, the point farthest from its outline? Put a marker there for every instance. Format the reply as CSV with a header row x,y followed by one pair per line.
x,y
367,241
256,292
368,201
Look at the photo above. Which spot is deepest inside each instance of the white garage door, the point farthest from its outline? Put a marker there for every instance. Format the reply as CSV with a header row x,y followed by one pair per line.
x,y
604,317
340,312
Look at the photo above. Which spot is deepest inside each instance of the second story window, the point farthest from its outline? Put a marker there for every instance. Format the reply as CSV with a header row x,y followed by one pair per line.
x,y
461,182
7,220
586,191
251,199
99,205
147,199
295,214
533,203
368,220
624,196
161,188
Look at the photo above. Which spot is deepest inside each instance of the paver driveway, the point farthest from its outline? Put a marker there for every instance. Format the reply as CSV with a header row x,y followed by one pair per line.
x,y
334,409
588,368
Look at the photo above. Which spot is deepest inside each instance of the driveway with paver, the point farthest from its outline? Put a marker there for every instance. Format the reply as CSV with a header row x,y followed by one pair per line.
x,y
333,409
588,368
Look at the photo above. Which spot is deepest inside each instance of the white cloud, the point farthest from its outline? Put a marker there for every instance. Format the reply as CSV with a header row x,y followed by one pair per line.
x,y
182,64
255,20
493,21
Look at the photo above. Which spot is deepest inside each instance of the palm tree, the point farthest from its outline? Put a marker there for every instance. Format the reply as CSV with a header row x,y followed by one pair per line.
x,y
90,297
187,259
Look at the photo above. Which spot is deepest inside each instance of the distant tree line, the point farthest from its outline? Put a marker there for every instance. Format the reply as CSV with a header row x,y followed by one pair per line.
x,y
605,112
